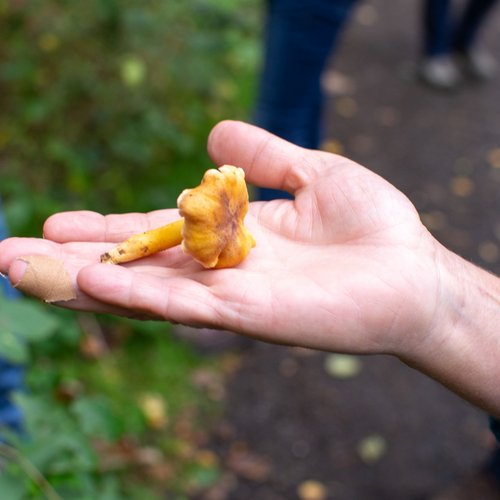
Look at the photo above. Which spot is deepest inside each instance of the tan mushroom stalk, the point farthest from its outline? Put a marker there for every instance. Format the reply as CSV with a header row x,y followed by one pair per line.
x,y
211,229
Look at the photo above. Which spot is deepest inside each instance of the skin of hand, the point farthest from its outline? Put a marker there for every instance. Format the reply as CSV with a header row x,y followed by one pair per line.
x,y
346,266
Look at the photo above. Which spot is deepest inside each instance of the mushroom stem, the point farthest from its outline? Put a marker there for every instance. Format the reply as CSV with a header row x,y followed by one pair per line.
x,y
147,243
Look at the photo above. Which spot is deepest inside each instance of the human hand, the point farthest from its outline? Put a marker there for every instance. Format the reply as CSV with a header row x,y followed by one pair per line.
x,y
346,266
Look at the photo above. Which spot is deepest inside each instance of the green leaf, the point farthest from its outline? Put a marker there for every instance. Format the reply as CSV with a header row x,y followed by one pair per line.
x,y
343,365
27,319
71,452
56,444
11,486
110,489
133,71
95,417
13,348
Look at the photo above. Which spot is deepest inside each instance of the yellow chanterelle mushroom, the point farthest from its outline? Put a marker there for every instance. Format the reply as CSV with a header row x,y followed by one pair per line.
x,y
211,229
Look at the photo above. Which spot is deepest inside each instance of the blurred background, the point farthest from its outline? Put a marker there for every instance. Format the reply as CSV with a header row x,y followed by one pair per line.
x,y
106,105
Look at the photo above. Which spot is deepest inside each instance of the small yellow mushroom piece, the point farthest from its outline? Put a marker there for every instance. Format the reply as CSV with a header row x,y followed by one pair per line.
x,y
211,229
213,233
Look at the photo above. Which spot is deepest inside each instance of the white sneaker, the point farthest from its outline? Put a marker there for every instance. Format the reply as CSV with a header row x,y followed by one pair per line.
x,y
479,64
440,72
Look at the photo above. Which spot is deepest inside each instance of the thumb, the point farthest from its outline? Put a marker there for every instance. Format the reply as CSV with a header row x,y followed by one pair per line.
x,y
267,160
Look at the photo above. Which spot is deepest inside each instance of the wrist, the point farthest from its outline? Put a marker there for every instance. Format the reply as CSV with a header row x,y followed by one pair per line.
x,y
461,348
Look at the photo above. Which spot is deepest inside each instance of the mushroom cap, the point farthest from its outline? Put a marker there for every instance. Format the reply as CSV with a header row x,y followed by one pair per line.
x,y
213,212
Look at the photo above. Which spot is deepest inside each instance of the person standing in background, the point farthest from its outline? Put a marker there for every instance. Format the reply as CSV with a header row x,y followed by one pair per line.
x,y
450,48
299,38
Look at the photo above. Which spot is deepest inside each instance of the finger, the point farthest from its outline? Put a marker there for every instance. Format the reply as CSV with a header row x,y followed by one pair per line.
x,y
52,267
76,255
13,248
176,299
268,161
45,269
91,226
40,281
16,257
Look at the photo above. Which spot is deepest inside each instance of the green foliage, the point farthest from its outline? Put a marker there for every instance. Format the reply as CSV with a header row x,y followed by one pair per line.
x,y
86,428
106,105
21,322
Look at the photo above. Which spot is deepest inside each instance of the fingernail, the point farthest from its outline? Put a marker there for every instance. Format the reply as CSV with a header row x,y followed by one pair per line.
x,y
16,271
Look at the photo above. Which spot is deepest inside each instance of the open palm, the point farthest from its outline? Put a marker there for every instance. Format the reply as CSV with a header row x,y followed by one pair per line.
x,y
345,266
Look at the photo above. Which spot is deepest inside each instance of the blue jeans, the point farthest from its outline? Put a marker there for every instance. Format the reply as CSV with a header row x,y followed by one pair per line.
x,y
443,34
299,38
11,375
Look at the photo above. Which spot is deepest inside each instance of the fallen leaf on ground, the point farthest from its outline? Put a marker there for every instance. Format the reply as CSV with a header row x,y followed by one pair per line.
x,y
133,71
336,83
346,107
494,158
434,221
312,490
343,365
154,409
332,146
206,458
247,464
210,381
489,252
372,448
221,490
127,453
462,186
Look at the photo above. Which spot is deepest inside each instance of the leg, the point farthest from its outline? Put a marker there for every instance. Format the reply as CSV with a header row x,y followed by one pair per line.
x,y
437,67
299,38
437,27
470,24
476,62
